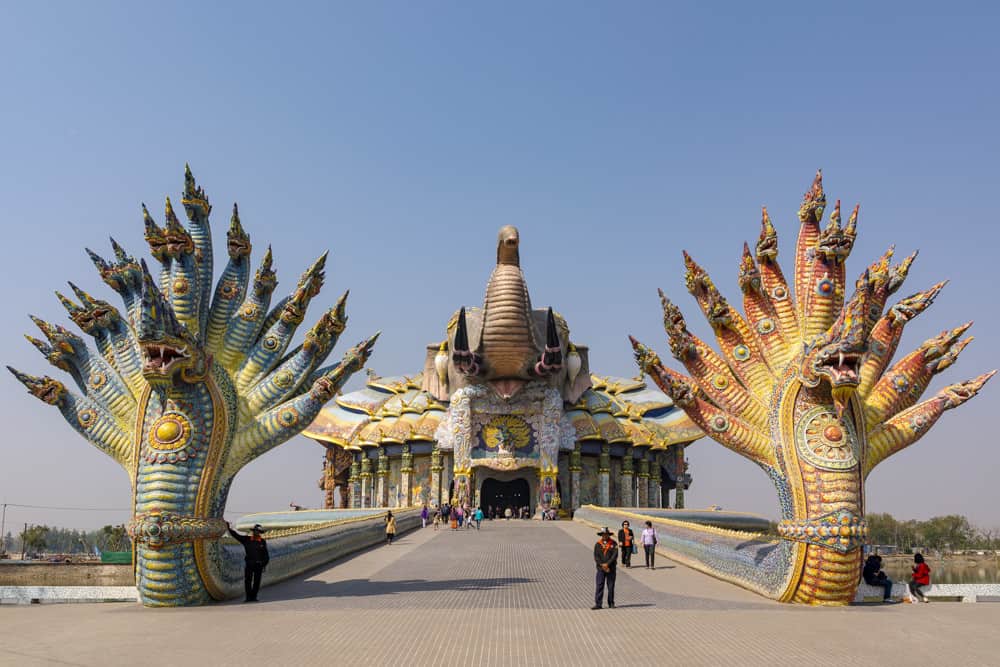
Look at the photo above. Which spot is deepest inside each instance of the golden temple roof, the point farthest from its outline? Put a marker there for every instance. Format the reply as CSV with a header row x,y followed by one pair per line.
x,y
395,410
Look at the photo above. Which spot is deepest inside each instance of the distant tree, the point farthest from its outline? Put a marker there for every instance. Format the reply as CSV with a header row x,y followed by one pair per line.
x,y
33,538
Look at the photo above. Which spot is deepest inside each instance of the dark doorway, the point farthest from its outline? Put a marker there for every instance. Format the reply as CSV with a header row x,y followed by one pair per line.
x,y
501,495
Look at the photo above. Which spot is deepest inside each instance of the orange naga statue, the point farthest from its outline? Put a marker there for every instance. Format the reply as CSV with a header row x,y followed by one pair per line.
x,y
804,388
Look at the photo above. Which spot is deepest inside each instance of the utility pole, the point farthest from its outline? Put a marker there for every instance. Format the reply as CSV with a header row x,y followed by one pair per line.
x,y
3,531
24,539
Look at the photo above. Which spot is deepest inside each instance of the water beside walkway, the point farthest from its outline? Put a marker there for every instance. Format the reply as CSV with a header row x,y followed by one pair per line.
x,y
515,593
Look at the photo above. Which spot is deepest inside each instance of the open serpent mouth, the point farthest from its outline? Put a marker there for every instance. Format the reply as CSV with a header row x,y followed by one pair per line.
x,y
843,368
159,357
50,394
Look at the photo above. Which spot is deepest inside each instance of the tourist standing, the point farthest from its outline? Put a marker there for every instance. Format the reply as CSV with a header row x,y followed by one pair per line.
x,y
437,519
649,542
508,513
459,516
479,517
874,576
921,577
424,513
626,538
390,527
606,559
256,559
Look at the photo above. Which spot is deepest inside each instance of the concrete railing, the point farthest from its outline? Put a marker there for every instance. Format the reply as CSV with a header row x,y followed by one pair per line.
x,y
30,594
967,592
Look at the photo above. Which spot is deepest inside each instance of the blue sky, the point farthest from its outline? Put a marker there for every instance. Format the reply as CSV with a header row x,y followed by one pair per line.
x,y
402,136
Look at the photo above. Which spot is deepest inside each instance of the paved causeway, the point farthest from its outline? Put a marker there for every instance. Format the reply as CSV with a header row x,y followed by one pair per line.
x,y
514,593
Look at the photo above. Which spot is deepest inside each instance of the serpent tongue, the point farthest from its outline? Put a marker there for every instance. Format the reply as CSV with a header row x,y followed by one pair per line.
x,y
841,397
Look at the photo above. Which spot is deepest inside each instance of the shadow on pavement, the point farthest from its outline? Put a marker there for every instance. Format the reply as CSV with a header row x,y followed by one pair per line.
x,y
366,587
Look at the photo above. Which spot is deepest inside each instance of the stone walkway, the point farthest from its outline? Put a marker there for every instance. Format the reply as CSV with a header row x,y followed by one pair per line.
x,y
515,593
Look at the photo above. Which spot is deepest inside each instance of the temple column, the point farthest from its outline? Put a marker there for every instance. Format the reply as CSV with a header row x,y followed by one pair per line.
x,y
327,483
655,483
355,483
366,481
643,482
382,487
604,476
575,466
628,475
683,479
436,468
406,477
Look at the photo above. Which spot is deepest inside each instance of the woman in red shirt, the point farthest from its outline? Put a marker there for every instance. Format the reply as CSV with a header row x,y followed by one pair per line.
x,y
921,577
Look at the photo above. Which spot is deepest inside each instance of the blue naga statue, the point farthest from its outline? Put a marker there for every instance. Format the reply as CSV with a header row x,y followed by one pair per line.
x,y
188,386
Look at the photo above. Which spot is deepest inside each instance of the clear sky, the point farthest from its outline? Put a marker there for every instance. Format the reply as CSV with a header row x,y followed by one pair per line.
x,y
401,136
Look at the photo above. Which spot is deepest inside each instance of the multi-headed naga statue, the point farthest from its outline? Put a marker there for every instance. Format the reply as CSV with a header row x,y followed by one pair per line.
x,y
804,389
189,386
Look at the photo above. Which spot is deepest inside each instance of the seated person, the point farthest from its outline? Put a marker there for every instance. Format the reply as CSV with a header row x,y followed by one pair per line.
x,y
874,576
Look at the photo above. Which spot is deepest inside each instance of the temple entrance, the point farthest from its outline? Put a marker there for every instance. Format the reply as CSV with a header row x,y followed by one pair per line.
x,y
514,494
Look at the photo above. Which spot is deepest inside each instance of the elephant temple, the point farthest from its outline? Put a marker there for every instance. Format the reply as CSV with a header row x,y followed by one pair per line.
x,y
505,413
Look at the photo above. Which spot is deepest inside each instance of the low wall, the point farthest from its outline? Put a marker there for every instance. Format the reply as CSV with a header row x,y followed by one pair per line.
x,y
31,573
965,592
752,523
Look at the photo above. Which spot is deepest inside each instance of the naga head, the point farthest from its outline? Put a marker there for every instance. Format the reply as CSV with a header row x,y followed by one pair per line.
x,y
309,286
237,240
682,345
323,335
92,315
507,246
835,242
169,352
835,356
767,244
64,347
43,388
749,276
328,384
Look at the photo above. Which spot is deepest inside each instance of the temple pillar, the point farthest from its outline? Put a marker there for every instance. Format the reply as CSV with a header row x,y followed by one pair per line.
x,y
366,481
683,479
382,486
575,466
328,483
547,494
642,485
655,479
406,477
436,469
354,482
604,476
628,476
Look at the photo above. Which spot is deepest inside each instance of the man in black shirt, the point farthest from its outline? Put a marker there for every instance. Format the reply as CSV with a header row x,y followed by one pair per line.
x,y
606,559
256,559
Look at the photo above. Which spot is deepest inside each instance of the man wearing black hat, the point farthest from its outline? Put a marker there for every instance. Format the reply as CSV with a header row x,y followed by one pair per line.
x,y
606,558
256,558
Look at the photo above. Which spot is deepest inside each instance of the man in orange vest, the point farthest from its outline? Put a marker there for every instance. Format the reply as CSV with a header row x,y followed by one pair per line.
x,y
606,559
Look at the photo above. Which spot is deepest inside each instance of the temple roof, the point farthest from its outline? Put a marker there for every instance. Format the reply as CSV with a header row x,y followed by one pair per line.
x,y
395,410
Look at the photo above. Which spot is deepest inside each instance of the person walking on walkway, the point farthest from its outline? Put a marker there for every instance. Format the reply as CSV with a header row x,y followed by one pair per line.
x,y
256,560
921,577
606,559
390,527
437,519
626,538
649,542
874,576
424,514
478,517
